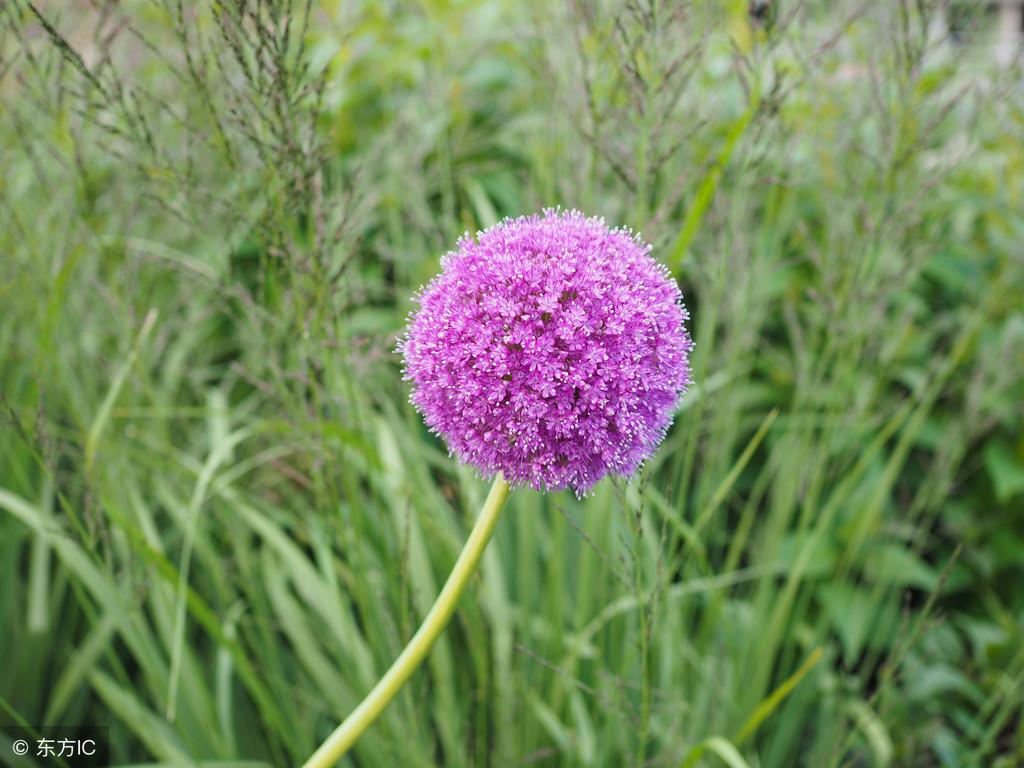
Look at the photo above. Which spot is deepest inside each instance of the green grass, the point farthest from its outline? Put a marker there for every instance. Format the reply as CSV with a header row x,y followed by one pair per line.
x,y
220,520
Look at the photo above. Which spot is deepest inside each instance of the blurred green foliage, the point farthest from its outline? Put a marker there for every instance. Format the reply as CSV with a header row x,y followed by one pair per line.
x,y
221,519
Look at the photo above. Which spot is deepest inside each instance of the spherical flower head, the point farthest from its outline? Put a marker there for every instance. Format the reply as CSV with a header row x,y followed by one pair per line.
x,y
551,348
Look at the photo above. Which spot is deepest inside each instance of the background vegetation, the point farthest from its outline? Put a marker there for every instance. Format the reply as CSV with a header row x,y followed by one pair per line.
x,y
220,519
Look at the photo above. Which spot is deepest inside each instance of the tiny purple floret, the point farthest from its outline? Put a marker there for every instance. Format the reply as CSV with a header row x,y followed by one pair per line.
x,y
551,348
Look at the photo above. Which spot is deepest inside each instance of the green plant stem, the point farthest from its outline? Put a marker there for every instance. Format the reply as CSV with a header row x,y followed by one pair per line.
x,y
346,734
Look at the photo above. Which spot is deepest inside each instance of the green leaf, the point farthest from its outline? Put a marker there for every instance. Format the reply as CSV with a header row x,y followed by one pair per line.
x,y
874,731
706,190
776,697
723,748
1005,468
152,730
896,565
103,415
821,553
851,611
937,679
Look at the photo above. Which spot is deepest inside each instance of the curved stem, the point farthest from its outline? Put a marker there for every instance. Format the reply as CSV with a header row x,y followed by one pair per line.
x,y
345,735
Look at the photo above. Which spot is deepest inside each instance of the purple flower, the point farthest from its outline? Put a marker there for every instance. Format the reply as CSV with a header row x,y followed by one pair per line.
x,y
551,348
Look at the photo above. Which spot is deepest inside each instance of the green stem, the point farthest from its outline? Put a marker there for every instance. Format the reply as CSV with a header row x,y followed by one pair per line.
x,y
345,735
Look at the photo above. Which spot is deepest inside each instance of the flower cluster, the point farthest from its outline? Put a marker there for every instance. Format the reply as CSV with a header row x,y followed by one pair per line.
x,y
551,348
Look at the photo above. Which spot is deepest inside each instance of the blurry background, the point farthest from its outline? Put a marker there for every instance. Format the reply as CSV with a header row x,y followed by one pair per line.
x,y
220,519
